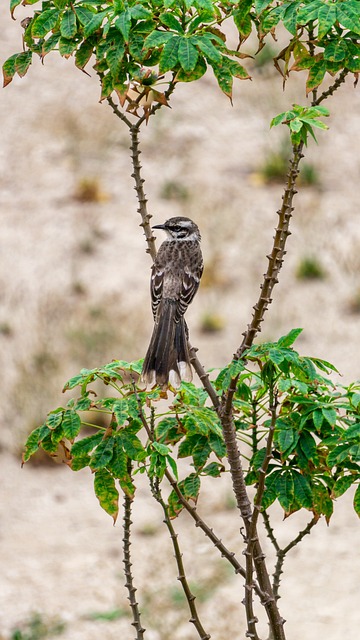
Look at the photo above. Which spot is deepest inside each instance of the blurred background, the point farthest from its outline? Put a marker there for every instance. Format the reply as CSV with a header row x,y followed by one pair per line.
x,y
74,292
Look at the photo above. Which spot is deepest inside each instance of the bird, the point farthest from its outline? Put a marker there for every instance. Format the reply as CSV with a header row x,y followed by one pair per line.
x,y
175,279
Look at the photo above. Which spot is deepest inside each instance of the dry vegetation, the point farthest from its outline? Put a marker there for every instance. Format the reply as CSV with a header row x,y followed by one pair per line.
x,y
74,292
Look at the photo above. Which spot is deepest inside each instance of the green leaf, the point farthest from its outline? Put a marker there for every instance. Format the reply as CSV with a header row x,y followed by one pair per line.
x,y
330,415
208,48
71,424
343,484
86,445
169,55
94,23
121,411
260,5
307,445
44,23
338,455
285,490
309,12
302,490
316,75
217,444
242,18
191,487
83,54
13,5
259,458
139,12
354,451
290,17
118,465
80,462
187,54
68,26
84,15
287,440
163,449
23,62
353,431
83,404
326,17
173,466
214,469
114,58
106,492
175,506
169,20
157,39
132,445
67,47
289,339
103,453
322,503
54,419
34,440
348,14
123,23
225,81
318,419
198,72
357,501
136,47
50,43
236,69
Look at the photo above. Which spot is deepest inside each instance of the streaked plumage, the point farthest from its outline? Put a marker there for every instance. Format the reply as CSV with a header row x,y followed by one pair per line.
x,y
175,279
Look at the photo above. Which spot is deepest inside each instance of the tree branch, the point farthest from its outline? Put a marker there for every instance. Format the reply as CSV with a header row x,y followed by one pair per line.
x,y
129,584
281,554
155,489
276,256
252,534
329,92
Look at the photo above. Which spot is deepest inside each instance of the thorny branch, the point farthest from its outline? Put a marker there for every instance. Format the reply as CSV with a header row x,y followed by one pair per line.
x,y
129,584
281,554
155,489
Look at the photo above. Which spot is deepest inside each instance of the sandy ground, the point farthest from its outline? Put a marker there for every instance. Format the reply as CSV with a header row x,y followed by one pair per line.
x,y
74,279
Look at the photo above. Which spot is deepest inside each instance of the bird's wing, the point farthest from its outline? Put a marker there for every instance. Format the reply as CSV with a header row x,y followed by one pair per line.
x,y
190,284
156,286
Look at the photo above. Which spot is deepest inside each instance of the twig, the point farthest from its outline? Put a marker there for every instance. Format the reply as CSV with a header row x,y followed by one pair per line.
x,y
281,554
140,193
129,584
252,535
276,256
199,522
329,92
155,489
204,377
270,530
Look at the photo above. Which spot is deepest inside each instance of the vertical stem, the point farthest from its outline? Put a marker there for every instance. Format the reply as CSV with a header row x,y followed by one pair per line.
x,y
276,256
140,193
179,561
129,584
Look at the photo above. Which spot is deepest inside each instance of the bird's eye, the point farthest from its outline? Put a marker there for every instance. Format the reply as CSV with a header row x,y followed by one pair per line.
x,y
177,228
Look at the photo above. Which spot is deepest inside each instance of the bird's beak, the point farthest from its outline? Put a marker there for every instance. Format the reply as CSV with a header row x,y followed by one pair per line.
x,y
158,226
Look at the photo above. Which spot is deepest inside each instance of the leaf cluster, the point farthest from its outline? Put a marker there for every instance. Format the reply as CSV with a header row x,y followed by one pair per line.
x,y
324,36
134,42
315,455
316,449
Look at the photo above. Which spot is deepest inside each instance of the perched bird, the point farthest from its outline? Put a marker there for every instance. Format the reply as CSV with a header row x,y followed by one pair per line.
x,y
175,279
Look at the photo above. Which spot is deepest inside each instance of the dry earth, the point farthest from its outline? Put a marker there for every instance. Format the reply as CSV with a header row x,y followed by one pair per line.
x,y
74,292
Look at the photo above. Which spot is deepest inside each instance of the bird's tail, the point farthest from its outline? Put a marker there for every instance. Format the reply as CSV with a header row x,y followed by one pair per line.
x,y
167,360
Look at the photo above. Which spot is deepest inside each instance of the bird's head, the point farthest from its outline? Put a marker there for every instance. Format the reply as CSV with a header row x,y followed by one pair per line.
x,y
180,228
